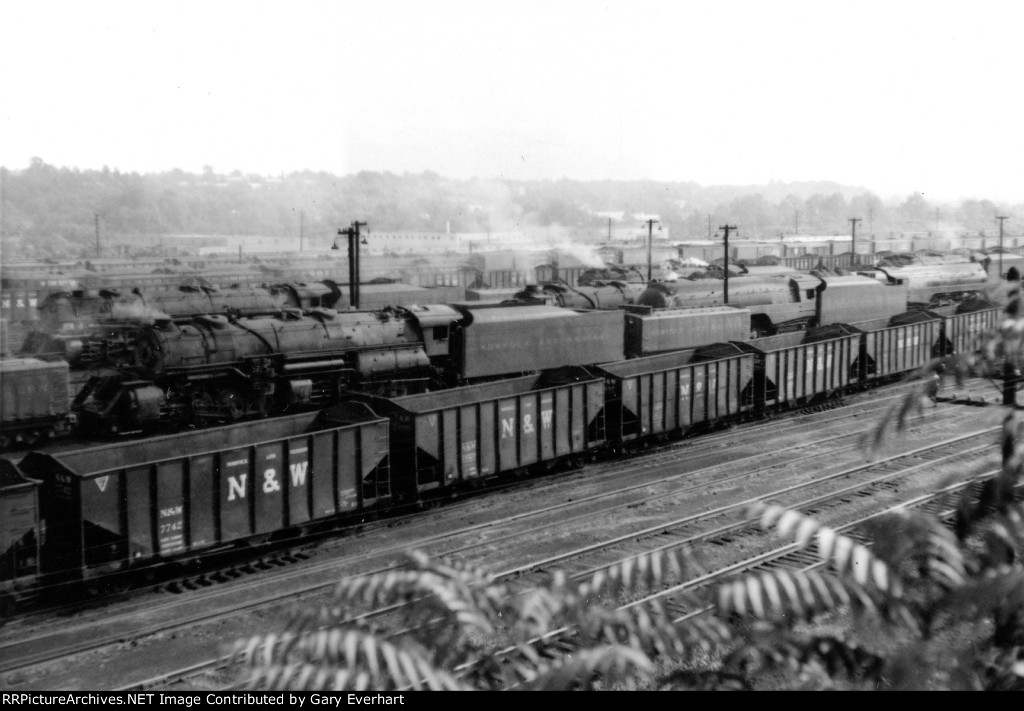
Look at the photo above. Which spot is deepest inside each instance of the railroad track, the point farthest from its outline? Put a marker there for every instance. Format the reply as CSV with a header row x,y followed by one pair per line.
x,y
171,619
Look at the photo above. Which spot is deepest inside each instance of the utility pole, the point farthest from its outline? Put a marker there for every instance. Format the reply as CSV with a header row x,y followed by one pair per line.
x,y
352,233
853,238
609,230
796,222
99,250
709,227
727,228
1002,219
650,241
936,222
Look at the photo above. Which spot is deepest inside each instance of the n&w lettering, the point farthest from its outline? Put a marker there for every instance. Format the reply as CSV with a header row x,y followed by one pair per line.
x,y
236,487
298,472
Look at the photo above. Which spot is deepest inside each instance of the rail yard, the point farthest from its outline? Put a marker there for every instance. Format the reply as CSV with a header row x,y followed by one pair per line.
x,y
182,459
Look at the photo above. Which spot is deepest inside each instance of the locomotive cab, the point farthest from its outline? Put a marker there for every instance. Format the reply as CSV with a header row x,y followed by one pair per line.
x,y
115,406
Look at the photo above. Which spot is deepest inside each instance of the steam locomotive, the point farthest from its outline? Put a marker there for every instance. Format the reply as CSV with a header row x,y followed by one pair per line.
x,y
214,368
785,302
931,285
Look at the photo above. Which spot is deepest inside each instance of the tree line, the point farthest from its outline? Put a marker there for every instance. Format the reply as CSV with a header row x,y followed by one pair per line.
x,y
50,211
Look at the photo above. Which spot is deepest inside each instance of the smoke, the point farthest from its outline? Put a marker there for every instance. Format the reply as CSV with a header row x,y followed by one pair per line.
x,y
587,255
137,312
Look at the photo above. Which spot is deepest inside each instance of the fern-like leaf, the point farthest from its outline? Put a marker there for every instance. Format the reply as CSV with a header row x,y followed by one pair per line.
x,y
914,543
790,596
343,659
650,571
846,555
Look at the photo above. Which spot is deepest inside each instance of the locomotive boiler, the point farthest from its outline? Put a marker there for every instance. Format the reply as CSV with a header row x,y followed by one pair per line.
x,y
596,295
215,368
784,303
66,318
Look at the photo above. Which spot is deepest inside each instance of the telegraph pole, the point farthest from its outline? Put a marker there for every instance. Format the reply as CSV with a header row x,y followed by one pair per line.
x,y
796,222
352,233
853,238
650,241
1002,219
727,228
99,250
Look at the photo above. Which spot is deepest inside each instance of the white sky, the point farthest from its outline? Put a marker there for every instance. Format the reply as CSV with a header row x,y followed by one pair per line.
x,y
896,96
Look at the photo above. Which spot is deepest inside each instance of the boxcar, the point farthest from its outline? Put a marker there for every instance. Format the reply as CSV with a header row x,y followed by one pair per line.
x,y
181,495
442,439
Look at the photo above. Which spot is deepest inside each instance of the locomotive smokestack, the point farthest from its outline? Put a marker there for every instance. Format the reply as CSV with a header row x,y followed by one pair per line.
x,y
334,297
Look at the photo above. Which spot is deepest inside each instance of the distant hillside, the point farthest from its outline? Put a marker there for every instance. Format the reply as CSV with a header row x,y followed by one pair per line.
x,y
51,211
